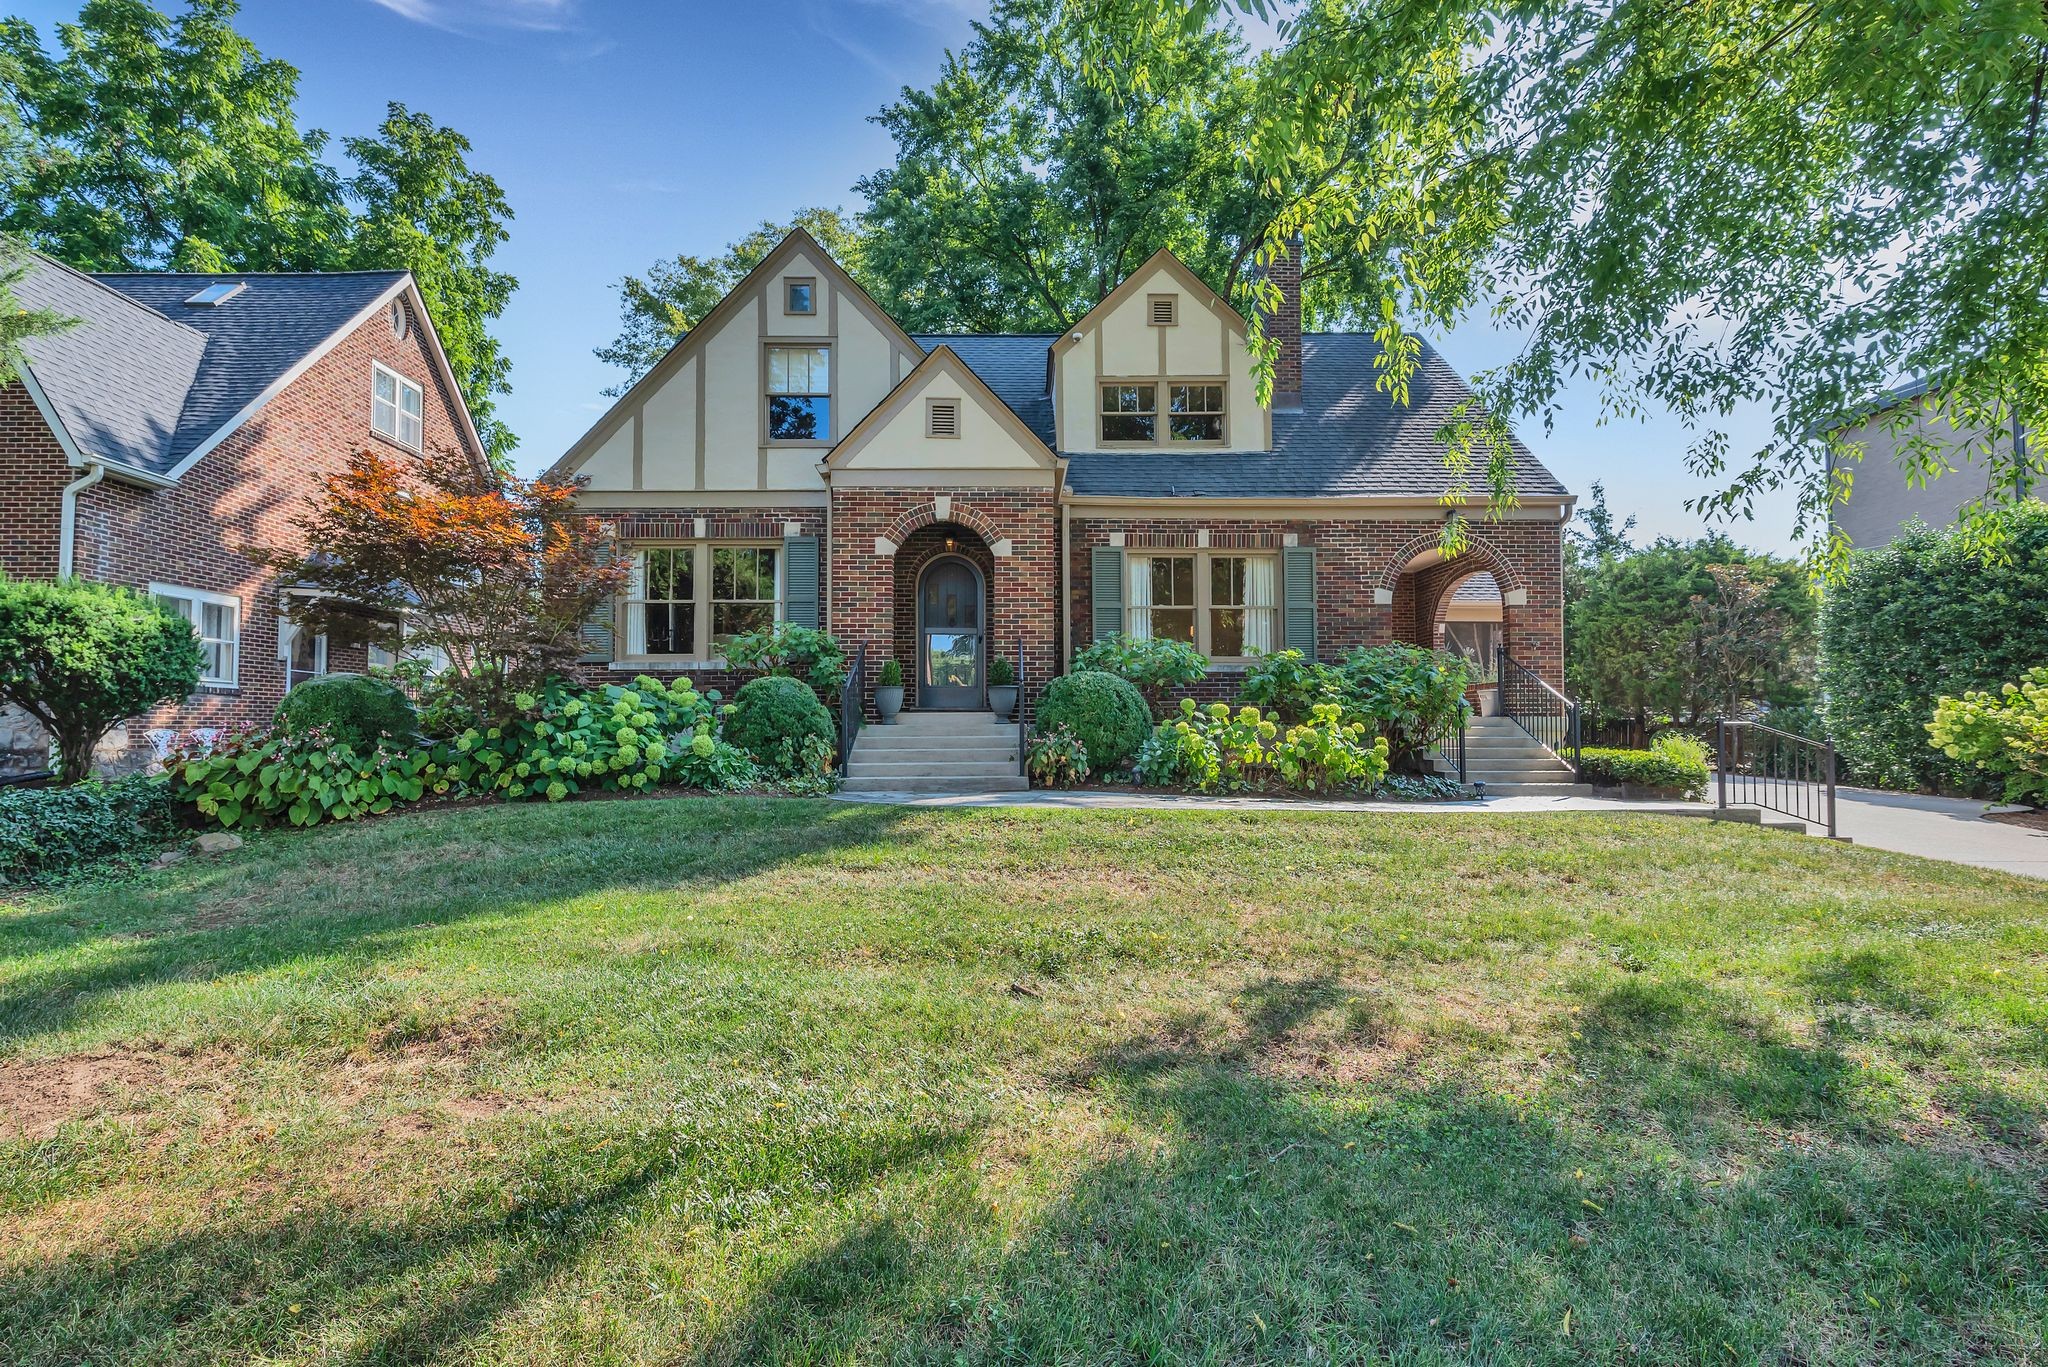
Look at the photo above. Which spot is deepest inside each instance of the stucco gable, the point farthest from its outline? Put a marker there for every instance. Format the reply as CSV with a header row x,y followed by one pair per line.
x,y
898,436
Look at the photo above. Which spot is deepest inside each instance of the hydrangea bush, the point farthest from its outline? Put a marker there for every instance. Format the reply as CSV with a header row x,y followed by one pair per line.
x,y
2004,734
613,738
1214,749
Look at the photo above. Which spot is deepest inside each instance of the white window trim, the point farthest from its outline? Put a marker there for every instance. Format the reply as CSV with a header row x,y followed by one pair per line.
x,y
287,636
701,654
1204,603
197,597
398,406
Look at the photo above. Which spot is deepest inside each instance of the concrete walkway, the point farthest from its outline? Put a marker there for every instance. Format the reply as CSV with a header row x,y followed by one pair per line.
x,y
1932,827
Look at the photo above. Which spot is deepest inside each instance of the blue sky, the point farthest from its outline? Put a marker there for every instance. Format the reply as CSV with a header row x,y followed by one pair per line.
x,y
628,130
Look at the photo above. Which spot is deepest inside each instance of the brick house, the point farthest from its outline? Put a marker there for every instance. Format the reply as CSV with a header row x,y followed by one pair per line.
x,y
180,425
944,499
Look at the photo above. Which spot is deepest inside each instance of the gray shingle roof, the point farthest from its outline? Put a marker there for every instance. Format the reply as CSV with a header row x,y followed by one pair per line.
x,y
145,379
1348,439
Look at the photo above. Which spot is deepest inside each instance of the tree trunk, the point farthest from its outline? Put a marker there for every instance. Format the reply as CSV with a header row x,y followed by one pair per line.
x,y
74,755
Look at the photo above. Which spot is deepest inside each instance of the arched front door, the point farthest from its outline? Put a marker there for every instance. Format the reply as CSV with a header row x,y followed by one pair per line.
x,y
949,634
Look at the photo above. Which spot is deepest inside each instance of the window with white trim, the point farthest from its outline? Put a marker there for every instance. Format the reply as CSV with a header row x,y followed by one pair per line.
x,y
1225,605
217,618
397,407
304,652
687,601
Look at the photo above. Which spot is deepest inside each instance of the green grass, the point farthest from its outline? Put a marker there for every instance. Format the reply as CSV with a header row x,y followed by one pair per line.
x,y
743,1080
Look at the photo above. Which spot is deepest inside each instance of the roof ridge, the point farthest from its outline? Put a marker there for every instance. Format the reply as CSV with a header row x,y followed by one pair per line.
x,y
93,278
240,275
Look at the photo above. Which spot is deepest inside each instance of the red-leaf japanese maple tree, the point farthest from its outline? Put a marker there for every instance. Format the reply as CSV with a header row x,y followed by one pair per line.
x,y
497,573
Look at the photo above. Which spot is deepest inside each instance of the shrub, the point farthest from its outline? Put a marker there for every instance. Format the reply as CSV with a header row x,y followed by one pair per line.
x,y
48,832
1214,749
1057,759
1327,753
773,719
351,707
2005,734
254,777
891,675
564,739
1674,760
1156,666
1287,684
1408,695
1106,714
82,657
1925,618
792,652
1000,672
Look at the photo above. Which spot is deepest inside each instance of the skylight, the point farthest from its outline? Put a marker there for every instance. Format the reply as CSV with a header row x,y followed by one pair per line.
x,y
218,294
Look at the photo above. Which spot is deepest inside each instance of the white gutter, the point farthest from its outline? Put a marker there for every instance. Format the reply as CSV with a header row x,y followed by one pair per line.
x,y
67,521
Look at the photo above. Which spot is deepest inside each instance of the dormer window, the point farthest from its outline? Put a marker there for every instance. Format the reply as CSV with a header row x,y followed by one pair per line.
x,y
397,407
800,296
1194,412
1130,413
1163,310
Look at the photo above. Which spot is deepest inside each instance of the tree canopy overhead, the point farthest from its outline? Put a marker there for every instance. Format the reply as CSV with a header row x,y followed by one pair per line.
x,y
1693,205
152,143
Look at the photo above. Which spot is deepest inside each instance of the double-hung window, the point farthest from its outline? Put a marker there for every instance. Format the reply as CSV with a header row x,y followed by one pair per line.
x,y
1226,606
1130,413
397,407
799,393
217,618
687,601
1194,412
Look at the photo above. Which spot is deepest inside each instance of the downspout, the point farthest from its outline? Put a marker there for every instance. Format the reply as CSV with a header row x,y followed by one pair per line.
x,y
67,520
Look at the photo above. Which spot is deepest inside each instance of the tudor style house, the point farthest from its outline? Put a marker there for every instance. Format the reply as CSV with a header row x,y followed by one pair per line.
x,y
181,424
944,500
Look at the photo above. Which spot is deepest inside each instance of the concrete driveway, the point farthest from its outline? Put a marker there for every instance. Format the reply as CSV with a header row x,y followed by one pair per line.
x,y
1939,828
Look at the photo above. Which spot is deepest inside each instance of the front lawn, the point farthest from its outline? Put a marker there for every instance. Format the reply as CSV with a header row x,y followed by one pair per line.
x,y
742,1080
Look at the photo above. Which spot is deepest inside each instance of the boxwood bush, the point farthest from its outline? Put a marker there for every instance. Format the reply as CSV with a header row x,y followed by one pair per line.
x,y
1672,761
781,723
48,832
1924,618
1105,713
351,707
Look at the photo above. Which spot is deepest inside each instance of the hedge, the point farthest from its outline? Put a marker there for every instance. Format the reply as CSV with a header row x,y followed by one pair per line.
x,y
1924,618
1671,762
48,832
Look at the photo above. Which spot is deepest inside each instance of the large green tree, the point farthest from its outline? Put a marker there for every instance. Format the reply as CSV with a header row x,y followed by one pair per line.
x,y
157,143
657,308
1694,205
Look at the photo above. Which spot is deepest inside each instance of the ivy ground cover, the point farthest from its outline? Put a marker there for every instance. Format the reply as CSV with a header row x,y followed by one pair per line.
x,y
738,1080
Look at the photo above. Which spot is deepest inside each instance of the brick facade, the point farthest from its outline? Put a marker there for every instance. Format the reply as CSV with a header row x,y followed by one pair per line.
x,y
240,498
1357,562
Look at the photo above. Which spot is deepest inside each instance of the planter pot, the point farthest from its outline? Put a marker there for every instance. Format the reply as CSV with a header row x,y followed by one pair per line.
x,y
1002,700
1489,699
888,702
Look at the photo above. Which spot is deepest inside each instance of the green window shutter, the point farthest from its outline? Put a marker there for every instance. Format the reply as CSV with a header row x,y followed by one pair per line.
x,y
596,631
1106,591
1298,598
800,581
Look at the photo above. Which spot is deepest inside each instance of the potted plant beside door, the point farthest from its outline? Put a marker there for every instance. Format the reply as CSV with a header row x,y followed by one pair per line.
x,y
889,691
1002,688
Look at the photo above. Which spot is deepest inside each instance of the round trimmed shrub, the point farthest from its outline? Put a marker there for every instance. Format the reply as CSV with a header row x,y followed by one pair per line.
x,y
771,719
1106,714
355,708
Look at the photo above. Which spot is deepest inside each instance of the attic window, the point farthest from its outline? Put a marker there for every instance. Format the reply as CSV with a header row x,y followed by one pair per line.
x,y
942,418
215,295
802,296
400,324
1164,310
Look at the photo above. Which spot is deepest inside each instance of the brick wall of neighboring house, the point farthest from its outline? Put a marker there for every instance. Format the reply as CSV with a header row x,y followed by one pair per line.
x,y
243,497
669,525
1355,560
870,591
32,479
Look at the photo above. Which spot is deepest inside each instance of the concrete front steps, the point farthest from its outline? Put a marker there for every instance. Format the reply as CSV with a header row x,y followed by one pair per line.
x,y
1510,762
936,752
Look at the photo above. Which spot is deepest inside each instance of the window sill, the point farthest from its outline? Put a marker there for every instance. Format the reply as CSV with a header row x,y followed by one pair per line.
x,y
217,690
651,663
808,444
410,450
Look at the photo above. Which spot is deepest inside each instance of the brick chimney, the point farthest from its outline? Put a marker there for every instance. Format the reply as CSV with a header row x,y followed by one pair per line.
x,y
1284,326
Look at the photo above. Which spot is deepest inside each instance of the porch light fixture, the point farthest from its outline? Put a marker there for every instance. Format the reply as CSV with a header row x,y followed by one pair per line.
x,y
951,545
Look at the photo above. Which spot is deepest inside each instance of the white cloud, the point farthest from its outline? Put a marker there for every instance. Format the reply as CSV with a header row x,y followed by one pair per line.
x,y
457,16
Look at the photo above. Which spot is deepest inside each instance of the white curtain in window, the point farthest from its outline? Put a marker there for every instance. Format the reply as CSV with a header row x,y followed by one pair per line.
x,y
799,370
636,615
1138,601
1260,598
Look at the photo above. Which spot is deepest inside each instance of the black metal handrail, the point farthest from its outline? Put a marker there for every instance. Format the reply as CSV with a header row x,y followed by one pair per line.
x,y
1464,721
1549,717
1761,766
852,699
1023,762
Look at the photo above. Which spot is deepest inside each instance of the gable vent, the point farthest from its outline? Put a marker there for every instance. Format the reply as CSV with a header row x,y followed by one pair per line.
x,y
215,295
1165,310
942,418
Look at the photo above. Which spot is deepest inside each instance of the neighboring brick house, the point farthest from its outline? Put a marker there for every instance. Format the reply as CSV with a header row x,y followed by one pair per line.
x,y
941,499
1865,454
181,425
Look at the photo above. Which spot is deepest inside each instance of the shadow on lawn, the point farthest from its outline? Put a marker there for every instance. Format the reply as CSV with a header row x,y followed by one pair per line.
x,y
1256,1218
363,892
